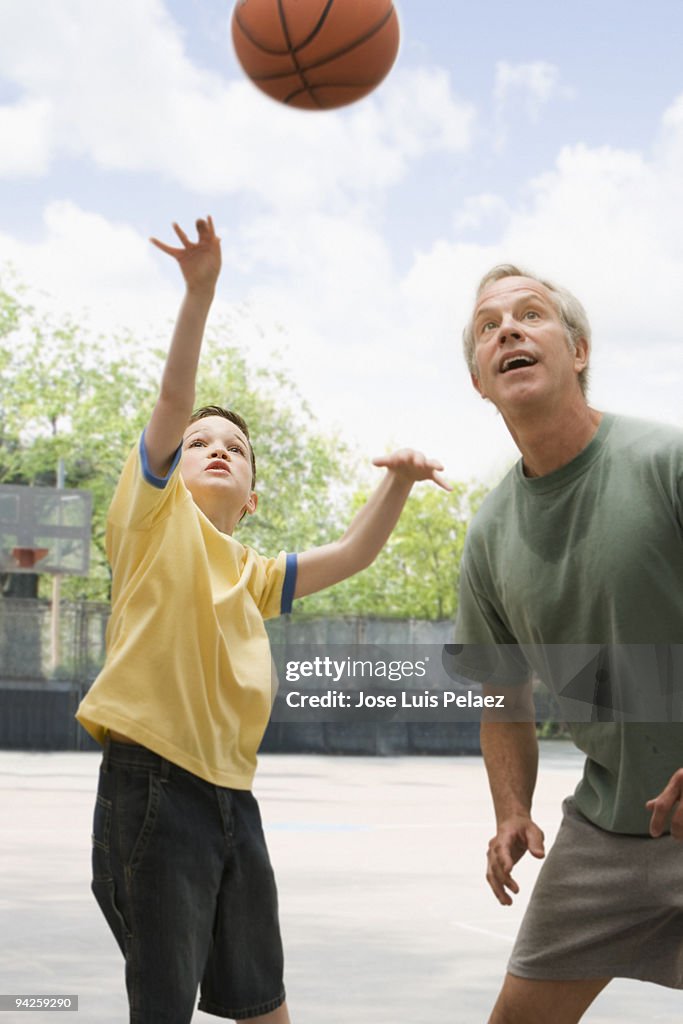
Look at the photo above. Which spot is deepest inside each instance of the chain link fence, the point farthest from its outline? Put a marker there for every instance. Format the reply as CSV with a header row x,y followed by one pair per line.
x,y
28,652
34,646
47,665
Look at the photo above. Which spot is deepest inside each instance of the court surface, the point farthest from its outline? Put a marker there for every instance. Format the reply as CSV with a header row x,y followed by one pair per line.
x,y
385,911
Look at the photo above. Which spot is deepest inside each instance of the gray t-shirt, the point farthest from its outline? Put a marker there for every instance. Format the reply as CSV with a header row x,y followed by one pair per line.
x,y
590,558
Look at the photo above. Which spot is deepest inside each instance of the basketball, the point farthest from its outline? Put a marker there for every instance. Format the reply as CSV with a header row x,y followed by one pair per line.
x,y
315,54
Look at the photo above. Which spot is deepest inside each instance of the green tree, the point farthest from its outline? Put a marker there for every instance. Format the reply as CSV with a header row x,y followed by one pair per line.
x,y
302,499
416,576
68,394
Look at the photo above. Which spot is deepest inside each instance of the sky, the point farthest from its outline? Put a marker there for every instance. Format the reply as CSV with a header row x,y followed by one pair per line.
x,y
353,240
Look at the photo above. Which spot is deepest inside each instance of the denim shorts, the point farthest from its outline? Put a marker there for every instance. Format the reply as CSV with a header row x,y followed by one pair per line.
x,y
182,875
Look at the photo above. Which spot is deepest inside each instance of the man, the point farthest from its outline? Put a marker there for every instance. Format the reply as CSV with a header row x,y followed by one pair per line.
x,y
580,547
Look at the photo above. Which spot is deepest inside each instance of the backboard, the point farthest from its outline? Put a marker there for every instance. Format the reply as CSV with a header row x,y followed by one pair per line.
x,y
44,530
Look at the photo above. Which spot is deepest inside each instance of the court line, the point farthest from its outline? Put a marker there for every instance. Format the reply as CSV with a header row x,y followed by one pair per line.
x,y
484,931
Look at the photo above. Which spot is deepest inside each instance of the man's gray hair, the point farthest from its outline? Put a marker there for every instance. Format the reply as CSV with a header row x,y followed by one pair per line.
x,y
571,312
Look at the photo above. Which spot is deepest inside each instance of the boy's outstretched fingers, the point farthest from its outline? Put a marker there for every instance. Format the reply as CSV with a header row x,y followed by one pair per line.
x,y
670,799
206,232
200,261
171,250
413,466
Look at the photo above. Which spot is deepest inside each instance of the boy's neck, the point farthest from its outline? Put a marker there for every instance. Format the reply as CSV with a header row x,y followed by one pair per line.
x,y
224,519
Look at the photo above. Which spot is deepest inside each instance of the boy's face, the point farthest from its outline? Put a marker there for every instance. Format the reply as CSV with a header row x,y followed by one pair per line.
x,y
216,466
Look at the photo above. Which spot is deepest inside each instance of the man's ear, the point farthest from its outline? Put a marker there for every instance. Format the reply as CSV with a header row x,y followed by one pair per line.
x,y
476,383
581,354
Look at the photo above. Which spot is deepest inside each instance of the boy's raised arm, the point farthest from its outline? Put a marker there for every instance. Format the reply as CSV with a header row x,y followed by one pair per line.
x,y
370,528
200,264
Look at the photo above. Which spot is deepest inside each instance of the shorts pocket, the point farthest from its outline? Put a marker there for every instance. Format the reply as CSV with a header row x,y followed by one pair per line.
x,y
137,811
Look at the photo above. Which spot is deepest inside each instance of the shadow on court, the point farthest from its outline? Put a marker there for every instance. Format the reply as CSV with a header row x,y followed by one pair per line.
x,y
380,862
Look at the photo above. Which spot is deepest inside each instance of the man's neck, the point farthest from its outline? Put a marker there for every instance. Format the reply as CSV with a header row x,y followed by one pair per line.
x,y
551,441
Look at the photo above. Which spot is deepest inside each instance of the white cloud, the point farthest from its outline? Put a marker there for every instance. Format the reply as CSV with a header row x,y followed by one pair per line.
x,y
483,209
85,265
608,224
122,92
533,85
374,348
377,351
375,355
25,134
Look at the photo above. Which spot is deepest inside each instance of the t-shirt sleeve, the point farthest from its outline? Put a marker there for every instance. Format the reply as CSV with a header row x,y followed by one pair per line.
x,y
272,584
485,651
142,499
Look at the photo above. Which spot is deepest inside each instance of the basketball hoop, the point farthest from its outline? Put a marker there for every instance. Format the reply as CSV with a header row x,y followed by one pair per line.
x,y
44,530
26,558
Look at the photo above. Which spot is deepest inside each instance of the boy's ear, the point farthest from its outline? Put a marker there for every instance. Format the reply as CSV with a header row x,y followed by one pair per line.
x,y
251,504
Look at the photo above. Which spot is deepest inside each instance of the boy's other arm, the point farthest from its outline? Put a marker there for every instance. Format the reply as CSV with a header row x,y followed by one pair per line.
x,y
370,528
200,264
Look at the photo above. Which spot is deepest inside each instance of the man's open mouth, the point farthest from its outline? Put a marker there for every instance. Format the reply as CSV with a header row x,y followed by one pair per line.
x,y
517,362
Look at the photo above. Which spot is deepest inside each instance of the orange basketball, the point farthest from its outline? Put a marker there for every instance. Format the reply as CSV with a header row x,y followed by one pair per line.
x,y
315,54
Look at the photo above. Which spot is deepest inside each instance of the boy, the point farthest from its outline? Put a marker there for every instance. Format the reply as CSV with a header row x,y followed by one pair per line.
x,y
180,866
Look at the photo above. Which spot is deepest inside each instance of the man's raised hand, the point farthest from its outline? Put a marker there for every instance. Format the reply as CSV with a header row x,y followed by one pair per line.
x,y
200,261
413,466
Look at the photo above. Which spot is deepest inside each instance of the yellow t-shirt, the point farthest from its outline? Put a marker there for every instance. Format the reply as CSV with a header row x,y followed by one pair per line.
x,y
188,667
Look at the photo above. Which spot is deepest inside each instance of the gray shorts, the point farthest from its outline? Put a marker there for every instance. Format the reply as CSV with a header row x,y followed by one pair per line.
x,y
605,905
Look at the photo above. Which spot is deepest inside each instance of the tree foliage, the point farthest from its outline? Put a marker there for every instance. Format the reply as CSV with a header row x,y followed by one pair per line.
x,y
68,394
416,575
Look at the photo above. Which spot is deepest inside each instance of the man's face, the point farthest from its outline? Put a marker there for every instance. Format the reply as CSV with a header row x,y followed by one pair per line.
x,y
216,463
521,346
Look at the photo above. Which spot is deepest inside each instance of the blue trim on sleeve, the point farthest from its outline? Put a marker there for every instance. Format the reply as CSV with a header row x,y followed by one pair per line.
x,y
289,585
157,481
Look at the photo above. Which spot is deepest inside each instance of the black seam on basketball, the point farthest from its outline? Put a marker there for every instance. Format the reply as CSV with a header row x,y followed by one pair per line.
x,y
352,46
326,85
321,21
299,70
289,49
255,42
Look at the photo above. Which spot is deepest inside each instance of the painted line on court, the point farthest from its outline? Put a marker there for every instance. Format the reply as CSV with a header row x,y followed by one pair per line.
x,y
484,931
311,826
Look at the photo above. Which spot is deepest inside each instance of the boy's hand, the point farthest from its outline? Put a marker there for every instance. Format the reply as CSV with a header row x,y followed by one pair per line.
x,y
370,527
200,261
413,466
